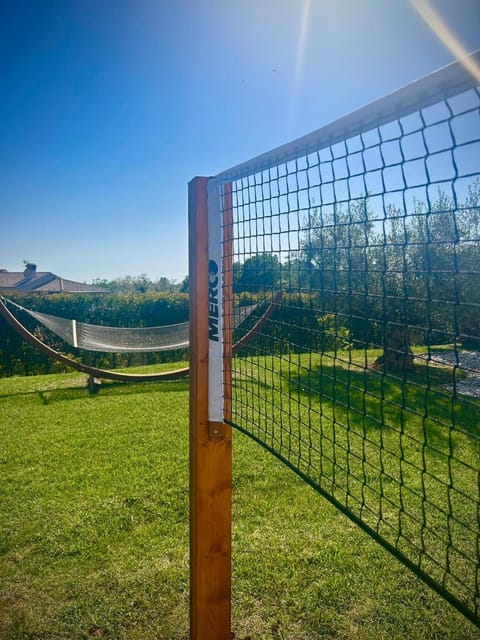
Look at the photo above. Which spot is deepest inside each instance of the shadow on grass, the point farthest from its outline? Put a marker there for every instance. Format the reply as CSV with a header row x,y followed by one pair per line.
x,y
61,394
42,392
376,400
352,395
126,388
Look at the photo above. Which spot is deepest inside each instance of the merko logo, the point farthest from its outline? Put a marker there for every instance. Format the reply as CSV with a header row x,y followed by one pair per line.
x,y
213,301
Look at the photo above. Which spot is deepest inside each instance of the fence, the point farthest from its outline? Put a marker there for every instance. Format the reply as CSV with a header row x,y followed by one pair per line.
x,y
365,379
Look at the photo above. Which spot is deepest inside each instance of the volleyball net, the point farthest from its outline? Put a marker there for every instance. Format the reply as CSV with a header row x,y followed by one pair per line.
x,y
364,237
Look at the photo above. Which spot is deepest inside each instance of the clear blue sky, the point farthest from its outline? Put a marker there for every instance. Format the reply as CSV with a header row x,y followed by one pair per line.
x,y
109,107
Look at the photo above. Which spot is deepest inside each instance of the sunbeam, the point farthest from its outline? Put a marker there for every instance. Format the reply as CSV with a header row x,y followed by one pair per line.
x,y
445,35
297,78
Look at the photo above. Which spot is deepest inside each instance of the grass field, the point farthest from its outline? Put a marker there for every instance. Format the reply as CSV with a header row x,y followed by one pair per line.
x,y
94,531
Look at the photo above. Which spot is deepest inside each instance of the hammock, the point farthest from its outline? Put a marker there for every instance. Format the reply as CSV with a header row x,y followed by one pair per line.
x,y
92,337
129,336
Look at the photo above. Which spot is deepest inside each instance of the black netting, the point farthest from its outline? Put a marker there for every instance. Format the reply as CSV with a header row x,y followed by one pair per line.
x,y
365,379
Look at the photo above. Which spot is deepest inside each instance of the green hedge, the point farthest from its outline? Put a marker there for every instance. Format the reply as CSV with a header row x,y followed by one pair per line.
x,y
17,357
295,326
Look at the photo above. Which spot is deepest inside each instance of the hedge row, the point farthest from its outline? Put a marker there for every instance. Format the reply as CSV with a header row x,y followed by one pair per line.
x,y
17,357
295,326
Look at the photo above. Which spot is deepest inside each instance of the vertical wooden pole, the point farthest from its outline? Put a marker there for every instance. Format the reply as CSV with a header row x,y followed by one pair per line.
x,y
210,454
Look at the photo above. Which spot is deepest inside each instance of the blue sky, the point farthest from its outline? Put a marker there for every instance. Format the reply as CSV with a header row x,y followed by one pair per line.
x,y
109,107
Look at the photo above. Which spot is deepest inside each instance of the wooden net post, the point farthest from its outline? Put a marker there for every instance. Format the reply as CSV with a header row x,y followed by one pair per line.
x,y
210,452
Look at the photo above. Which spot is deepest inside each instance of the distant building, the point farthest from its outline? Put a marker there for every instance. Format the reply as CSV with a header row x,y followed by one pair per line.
x,y
32,281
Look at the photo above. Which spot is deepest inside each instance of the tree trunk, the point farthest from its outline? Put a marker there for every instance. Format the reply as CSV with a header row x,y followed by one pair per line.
x,y
397,352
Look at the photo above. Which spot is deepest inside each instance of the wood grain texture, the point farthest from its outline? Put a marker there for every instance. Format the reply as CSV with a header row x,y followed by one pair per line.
x,y
210,454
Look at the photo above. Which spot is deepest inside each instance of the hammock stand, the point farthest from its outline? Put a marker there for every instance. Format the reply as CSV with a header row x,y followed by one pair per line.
x,y
96,374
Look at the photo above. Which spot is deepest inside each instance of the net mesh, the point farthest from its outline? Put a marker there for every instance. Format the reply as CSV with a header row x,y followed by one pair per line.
x,y
366,377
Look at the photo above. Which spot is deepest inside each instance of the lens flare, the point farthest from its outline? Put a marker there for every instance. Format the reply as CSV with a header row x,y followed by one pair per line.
x,y
445,35
302,39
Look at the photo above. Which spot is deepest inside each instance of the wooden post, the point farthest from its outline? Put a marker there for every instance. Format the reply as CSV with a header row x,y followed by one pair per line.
x,y
210,454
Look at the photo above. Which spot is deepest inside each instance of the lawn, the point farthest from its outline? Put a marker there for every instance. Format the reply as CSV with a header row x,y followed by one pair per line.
x,y
94,530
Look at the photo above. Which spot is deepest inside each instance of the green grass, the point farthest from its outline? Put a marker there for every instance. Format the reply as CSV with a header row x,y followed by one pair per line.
x,y
94,530
383,447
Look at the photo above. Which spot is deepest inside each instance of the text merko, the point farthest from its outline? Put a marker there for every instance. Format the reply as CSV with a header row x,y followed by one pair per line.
x,y
213,301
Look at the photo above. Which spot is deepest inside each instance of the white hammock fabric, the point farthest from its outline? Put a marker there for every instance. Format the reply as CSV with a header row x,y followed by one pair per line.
x,y
92,337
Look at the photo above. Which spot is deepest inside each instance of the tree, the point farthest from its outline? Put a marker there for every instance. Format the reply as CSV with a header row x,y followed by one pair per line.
x,y
334,264
440,246
138,284
185,285
261,272
410,271
468,266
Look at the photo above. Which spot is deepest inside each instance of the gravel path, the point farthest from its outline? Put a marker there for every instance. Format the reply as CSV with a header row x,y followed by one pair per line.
x,y
466,361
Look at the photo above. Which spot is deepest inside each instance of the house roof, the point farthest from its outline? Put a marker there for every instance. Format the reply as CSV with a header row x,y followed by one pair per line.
x,y
33,281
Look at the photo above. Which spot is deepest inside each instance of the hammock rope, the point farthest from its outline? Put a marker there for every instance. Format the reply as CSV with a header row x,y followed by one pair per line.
x,y
92,337
240,314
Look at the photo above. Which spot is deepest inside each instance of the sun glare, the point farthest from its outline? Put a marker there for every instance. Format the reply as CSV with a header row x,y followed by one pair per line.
x,y
297,78
445,34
